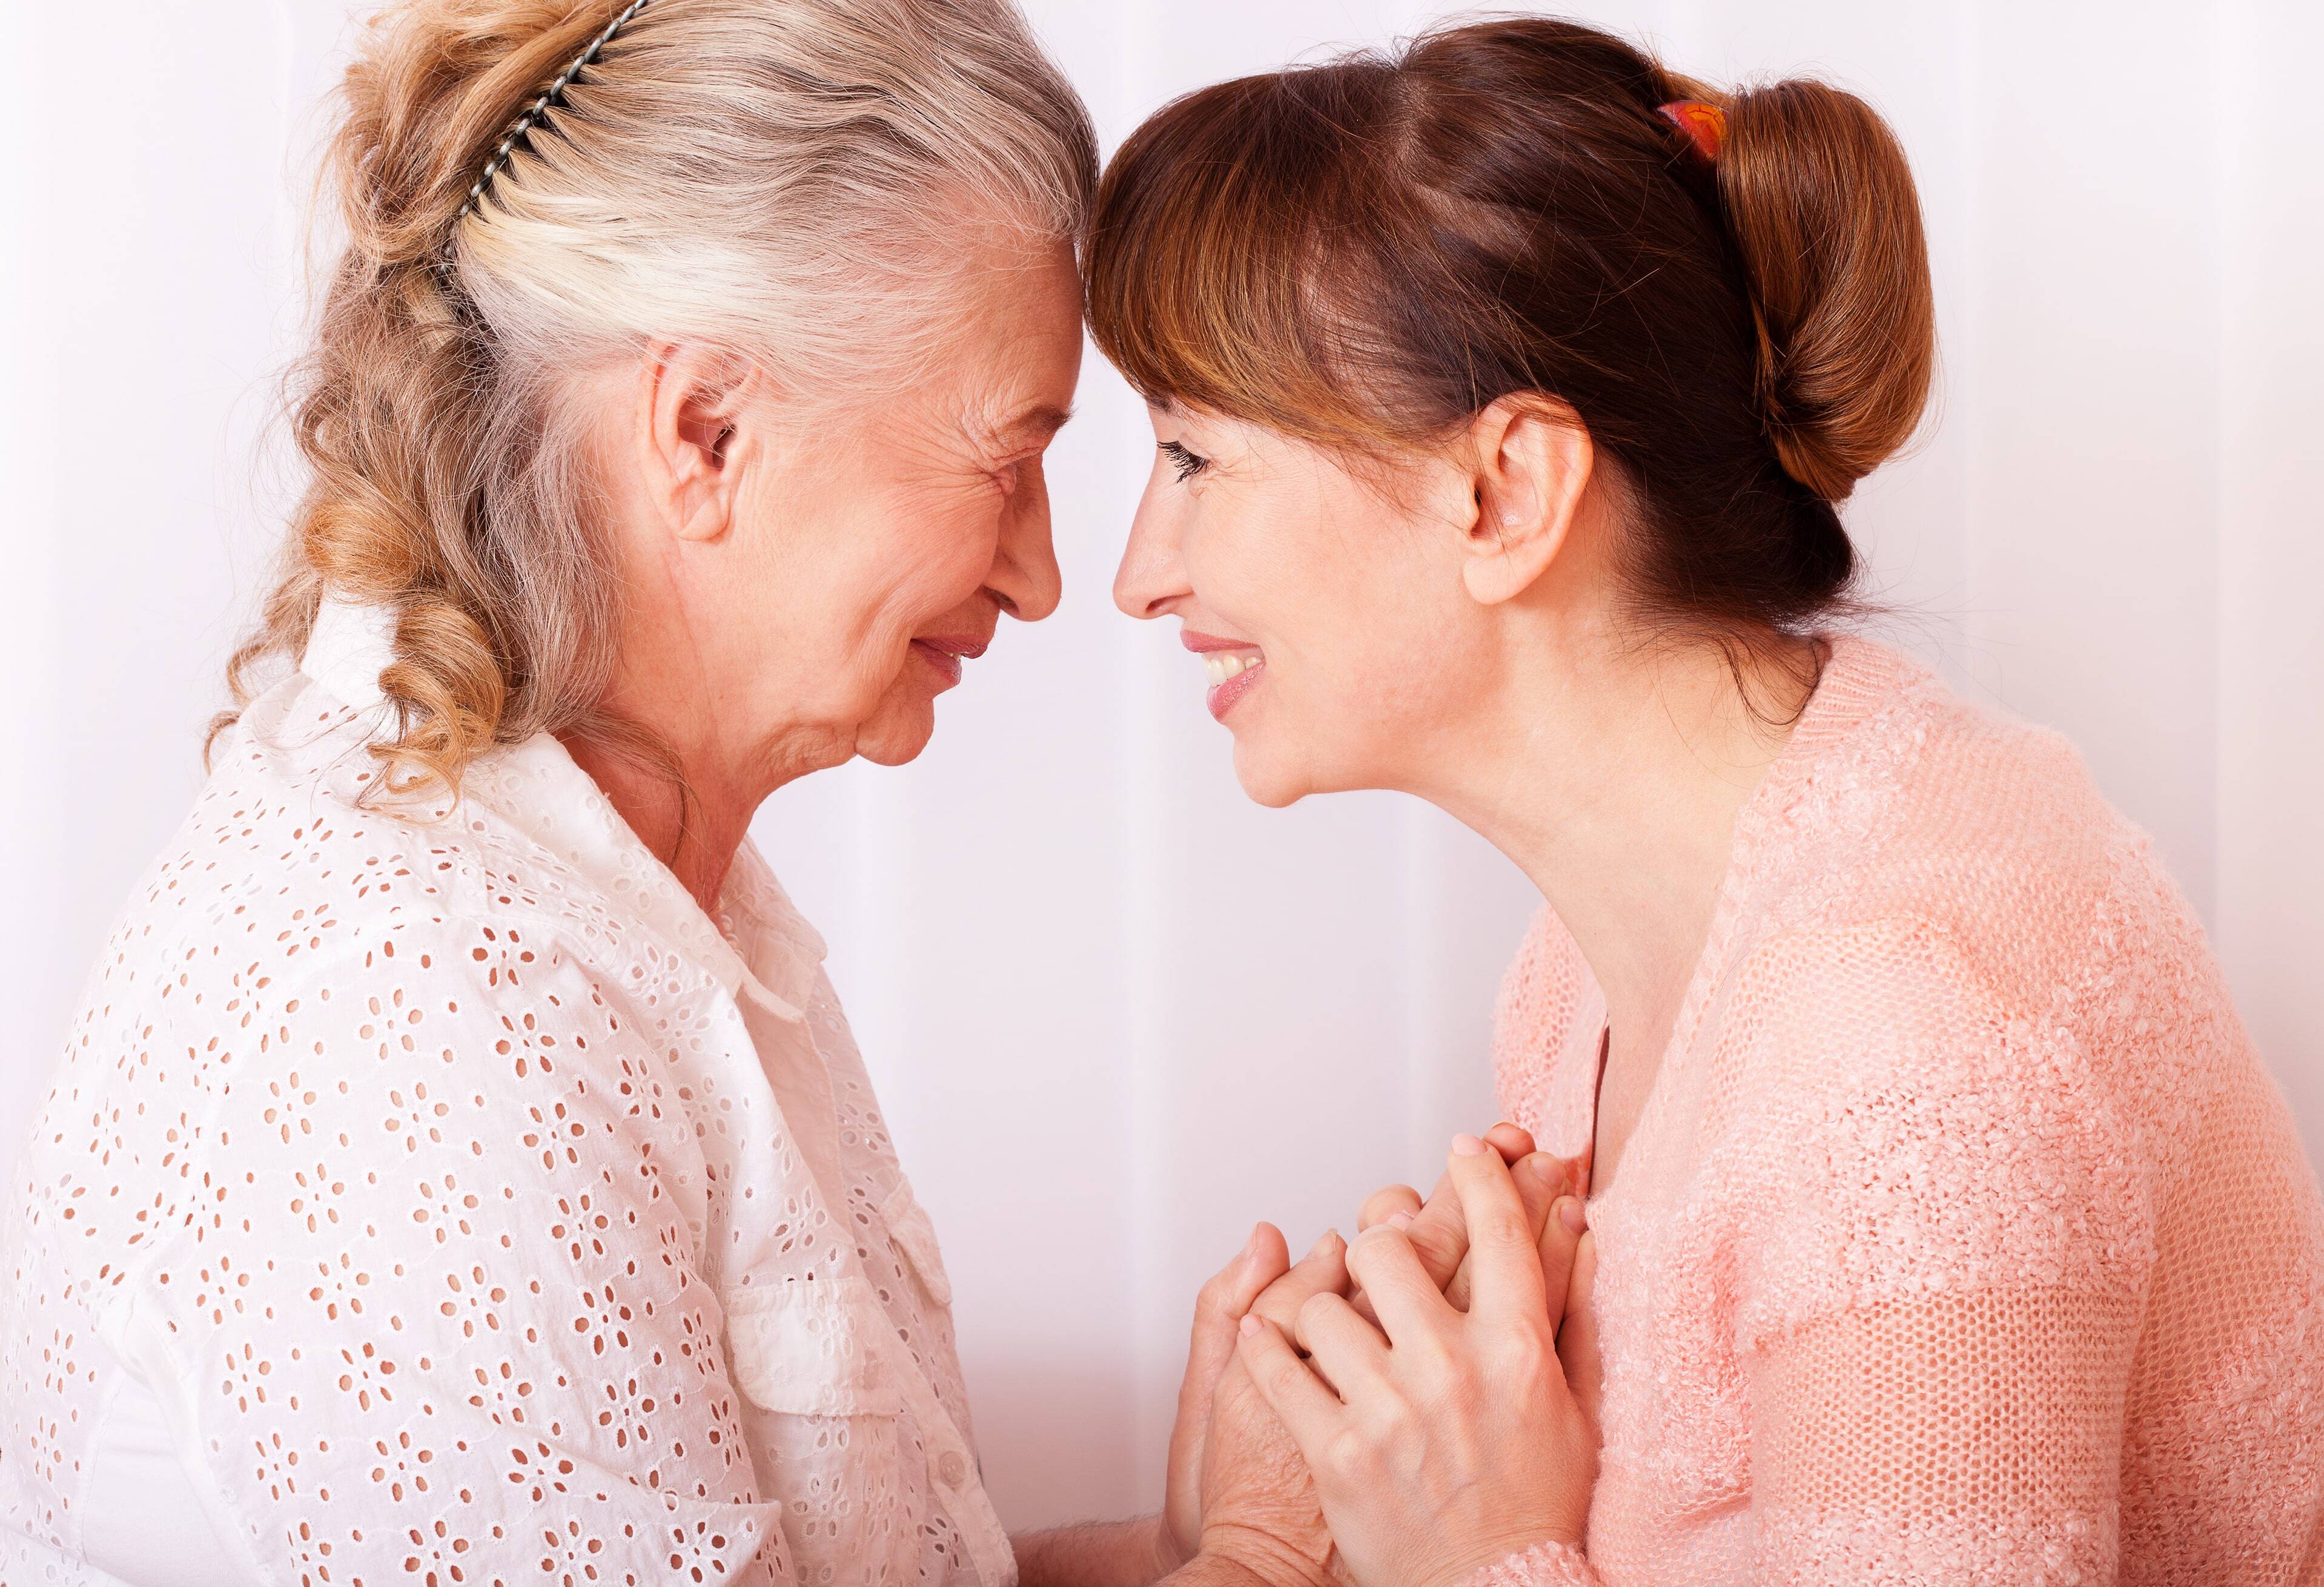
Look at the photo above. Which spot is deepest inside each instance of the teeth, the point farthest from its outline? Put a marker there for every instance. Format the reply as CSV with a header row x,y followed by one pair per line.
x,y
1222,665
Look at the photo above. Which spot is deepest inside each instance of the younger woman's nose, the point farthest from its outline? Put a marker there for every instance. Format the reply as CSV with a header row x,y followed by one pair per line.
x,y
1151,577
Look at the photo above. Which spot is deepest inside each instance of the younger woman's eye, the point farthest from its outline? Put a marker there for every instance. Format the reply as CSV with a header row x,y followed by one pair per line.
x,y
1187,463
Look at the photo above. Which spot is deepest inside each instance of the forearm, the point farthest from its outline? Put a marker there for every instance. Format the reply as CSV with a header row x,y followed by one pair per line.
x,y
1096,1554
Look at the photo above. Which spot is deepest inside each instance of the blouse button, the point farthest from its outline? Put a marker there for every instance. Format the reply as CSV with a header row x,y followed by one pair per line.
x,y
952,1469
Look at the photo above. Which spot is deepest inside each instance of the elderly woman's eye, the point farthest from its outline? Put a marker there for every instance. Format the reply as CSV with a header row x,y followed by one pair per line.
x,y
1187,463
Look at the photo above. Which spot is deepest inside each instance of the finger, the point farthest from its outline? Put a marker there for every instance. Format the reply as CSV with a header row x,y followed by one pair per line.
x,y
1219,1306
1323,1270
1348,1351
1437,1234
1541,1178
1382,1204
1512,1143
1577,1341
1507,1259
1561,1237
1406,1299
1308,1410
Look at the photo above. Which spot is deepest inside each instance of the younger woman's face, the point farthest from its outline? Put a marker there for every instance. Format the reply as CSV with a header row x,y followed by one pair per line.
x,y
1335,638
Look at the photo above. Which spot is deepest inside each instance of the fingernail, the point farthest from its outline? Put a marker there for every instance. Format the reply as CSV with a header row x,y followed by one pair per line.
x,y
1467,1146
1569,1214
1248,1326
1542,1166
1399,1221
1323,1242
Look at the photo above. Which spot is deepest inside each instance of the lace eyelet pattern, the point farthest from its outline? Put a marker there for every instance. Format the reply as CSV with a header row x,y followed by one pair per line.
x,y
459,1173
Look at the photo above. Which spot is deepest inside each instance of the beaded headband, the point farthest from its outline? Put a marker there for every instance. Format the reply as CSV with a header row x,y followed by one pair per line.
x,y
1705,124
554,94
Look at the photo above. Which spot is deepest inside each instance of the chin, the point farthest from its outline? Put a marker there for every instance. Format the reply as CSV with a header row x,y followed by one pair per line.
x,y
1273,785
899,732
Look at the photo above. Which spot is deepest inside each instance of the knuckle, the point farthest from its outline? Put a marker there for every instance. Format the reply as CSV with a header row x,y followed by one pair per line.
x,y
1364,1254
1315,1309
1349,1453
1278,1306
1522,1357
1439,1248
1503,1226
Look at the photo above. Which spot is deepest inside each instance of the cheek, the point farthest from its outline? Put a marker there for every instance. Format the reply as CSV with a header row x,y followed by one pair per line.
x,y
938,551
1330,610
1363,646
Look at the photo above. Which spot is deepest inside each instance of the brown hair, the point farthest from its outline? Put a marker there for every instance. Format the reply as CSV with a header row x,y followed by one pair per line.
x,y
783,179
1366,252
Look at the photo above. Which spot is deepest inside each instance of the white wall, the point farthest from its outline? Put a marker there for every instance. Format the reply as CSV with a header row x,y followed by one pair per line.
x,y
1116,1012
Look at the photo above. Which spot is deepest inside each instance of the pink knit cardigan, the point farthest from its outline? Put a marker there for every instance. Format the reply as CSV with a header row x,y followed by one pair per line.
x,y
1963,1238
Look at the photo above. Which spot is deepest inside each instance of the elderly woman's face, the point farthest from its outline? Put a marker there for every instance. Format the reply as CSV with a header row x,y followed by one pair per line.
x,y
851,566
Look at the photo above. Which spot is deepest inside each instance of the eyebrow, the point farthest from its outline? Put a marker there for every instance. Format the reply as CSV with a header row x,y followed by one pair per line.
x,y
1036,422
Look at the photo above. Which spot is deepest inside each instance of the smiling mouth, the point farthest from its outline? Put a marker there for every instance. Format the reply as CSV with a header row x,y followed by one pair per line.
x,y
1234,668
945,653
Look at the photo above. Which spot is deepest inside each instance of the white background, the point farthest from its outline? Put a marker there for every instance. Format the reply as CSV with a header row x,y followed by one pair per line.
x,y
1116,1012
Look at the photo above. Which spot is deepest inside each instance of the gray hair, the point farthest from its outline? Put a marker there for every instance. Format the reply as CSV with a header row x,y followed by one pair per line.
x,y
789,179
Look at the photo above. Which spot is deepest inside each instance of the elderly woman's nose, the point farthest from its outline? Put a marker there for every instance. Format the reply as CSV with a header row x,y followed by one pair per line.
x,y
1025,569
1151,575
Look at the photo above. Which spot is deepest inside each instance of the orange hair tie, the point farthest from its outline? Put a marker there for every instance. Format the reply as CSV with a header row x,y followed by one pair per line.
x,y
1705,124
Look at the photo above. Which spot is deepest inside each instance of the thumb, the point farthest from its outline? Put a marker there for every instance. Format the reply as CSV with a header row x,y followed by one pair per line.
x,y
1577,1340
1563,1232
1221,1305
1218,1310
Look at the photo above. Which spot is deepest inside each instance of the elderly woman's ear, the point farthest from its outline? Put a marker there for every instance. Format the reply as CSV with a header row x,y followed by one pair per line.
x,y
693,416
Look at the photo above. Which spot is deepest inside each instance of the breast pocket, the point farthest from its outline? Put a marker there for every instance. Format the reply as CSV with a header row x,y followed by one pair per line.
x,y
804,1347
826,1414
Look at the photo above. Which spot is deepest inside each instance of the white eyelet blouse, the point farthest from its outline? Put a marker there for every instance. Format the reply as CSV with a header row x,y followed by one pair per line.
x,y
446,1199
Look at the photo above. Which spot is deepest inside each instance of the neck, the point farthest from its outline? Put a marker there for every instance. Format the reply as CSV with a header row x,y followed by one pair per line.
x,y
694,830
1613,774
684,786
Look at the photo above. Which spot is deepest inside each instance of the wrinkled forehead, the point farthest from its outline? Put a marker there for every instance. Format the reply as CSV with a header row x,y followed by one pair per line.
x,y
1004,364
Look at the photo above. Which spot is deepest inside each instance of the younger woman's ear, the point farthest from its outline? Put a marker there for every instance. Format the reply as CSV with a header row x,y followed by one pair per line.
x,y
1533,460
689,419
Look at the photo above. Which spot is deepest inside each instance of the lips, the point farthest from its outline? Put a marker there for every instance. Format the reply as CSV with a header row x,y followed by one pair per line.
x,y
945,653
1235,667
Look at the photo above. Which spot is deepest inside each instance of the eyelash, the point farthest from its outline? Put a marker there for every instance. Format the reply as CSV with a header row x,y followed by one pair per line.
x,y
1187,463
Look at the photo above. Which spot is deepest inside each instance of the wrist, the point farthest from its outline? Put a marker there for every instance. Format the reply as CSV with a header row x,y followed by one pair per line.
x,y
1212,1569
1162,1543
1248,1557
1476,1566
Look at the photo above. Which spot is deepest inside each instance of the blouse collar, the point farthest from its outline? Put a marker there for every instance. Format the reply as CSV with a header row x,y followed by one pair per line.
x,y
772,954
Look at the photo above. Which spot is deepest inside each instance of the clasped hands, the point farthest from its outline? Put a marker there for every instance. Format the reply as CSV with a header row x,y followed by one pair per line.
x,y
1401,1410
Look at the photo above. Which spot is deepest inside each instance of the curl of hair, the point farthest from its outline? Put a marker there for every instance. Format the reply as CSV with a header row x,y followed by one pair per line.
x,y
786,179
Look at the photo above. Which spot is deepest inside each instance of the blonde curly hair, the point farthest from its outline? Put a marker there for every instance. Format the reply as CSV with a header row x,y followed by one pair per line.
x,y
773,176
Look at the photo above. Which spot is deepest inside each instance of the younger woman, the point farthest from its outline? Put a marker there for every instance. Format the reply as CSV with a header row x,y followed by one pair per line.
x,y
1946,1228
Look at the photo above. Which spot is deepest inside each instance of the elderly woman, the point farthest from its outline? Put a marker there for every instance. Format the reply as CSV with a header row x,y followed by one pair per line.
x,y
461,1171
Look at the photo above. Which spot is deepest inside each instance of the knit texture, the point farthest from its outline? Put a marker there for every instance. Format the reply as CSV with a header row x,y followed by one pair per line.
x,y
1963,1237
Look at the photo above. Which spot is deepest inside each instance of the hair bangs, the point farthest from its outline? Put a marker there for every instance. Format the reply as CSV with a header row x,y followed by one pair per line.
x,y
1208,284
